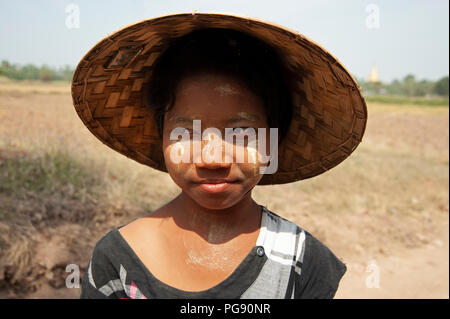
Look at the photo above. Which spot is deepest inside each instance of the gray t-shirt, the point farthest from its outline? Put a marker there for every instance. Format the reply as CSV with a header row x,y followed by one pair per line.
x,y
286,262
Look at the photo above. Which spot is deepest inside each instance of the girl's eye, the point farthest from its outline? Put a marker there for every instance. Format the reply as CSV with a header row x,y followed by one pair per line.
x,y
182,132
240,130
187,130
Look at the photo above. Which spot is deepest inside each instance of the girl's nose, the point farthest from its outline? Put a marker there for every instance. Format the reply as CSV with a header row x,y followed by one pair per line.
x,y
212,165
213,155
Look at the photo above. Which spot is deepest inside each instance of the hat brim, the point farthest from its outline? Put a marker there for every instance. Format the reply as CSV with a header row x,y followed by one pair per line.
x,y
329,111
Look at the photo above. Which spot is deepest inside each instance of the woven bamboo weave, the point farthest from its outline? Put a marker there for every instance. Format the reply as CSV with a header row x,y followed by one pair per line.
x,y
329,111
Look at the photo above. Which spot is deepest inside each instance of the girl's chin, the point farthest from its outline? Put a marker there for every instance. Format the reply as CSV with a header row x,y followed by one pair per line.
x,y
214,201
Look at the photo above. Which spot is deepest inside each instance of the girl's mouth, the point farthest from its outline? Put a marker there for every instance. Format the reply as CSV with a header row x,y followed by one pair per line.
x,y
215,187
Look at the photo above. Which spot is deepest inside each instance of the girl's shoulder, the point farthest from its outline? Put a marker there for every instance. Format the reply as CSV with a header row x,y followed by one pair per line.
x,y
317,269
124,238
110,269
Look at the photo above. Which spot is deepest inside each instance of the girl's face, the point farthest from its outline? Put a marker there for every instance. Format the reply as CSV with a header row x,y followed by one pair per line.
x,y
218,101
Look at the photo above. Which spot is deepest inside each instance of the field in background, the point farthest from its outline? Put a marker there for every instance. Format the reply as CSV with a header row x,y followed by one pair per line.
x,y
14,86
404,100
61,190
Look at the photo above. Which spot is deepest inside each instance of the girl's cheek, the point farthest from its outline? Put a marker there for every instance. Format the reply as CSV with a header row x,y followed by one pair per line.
x,y
177,155
252,162
252,158
258,157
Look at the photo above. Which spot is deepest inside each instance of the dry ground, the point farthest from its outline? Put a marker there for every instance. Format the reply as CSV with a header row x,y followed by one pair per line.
x,y
61,190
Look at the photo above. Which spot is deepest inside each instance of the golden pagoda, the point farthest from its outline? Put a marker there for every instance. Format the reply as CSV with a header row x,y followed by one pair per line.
x,y
373,77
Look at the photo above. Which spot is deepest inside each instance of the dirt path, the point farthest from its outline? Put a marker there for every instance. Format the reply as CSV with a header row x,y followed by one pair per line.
x,y
415,273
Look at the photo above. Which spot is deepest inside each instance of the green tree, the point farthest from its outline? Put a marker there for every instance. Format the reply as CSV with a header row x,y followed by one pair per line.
x,y
424,87
395,88
9,70
29,72
409,85
46,74
3,67
66,73
441,86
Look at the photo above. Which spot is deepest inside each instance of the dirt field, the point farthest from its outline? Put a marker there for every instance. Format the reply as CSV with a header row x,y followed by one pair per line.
x,y
384,211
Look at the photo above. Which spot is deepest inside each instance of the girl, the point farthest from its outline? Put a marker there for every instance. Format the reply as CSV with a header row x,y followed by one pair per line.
x,y
149,84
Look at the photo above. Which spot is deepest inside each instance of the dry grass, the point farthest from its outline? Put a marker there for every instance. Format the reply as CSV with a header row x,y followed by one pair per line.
x,y
8,85
391,194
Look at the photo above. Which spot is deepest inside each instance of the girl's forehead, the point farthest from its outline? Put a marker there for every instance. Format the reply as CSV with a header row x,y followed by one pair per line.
x,y
226,89
230,118
215,97
222,83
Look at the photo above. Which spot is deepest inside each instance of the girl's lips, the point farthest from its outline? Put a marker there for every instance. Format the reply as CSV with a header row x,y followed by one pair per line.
x,y
214,187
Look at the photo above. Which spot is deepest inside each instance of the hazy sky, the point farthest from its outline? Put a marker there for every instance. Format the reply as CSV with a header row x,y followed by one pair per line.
x,y
409,37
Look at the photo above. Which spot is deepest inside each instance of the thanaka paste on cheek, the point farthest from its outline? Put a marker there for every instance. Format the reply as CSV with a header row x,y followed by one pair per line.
x,y
252,159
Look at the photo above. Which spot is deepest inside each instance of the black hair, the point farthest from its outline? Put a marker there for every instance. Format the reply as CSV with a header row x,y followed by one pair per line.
x,y
222,51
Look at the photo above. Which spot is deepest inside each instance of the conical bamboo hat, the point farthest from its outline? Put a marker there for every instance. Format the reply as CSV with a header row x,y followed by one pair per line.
x,y
329,111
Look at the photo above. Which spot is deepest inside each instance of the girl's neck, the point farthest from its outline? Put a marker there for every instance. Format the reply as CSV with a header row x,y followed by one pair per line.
x,y
216,226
